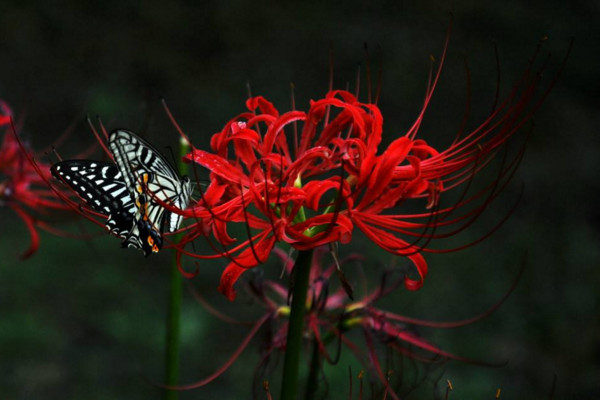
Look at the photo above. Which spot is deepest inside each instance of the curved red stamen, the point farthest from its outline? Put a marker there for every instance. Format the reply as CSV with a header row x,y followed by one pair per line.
x,y
228,363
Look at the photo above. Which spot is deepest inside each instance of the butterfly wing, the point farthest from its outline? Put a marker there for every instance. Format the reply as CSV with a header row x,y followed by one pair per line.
x,y
144,167
102,187
148,176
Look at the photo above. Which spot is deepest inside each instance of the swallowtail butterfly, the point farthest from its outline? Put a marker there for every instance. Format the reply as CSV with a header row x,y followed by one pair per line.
x,y
130,190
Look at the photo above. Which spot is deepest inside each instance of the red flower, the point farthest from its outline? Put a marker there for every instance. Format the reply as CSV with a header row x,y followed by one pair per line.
x,y
22,188
331,318
310,178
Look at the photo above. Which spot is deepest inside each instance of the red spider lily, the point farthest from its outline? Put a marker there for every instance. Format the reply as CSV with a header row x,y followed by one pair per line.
x,y
332,316
314,184
22,188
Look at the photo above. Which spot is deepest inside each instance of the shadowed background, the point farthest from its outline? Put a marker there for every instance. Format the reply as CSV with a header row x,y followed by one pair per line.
x,y
85,319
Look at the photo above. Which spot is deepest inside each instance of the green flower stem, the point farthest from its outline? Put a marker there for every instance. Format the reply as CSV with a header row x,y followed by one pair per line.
x,y
313,374
174,311
291,362
315,362
173,331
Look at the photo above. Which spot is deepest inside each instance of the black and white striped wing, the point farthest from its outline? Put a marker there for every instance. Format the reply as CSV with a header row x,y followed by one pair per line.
x,y
102,187
145,171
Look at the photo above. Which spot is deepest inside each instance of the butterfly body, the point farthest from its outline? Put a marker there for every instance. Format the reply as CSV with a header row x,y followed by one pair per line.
x,y
132,191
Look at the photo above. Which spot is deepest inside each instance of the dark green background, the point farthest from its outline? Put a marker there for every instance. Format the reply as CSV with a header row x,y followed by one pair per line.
x,y
84,319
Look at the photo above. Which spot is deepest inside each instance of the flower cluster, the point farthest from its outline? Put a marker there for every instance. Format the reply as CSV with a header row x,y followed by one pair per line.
x,y
23,184
310,178
332,319
331,313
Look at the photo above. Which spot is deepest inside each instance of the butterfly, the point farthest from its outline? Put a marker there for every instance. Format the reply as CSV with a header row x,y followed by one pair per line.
x,y
131,190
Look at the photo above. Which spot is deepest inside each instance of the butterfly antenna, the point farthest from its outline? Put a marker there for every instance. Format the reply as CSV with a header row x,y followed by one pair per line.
x,y
53,151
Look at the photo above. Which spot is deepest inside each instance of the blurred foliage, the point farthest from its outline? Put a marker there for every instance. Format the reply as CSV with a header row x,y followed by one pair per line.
x,y
85,319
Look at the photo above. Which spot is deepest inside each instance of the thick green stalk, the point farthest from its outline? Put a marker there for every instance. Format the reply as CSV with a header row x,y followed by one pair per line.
x,y
313,374
291,361
174,312
173,331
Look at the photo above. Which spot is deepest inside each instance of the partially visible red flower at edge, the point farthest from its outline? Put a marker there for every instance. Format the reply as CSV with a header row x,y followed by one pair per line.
x,y
309,178
21,187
